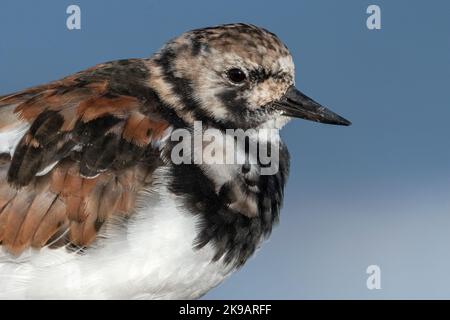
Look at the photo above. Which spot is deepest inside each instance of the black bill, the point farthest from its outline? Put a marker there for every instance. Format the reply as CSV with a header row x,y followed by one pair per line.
x,y
296,104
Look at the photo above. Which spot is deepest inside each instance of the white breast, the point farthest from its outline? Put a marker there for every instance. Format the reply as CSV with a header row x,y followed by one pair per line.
x,y
151,258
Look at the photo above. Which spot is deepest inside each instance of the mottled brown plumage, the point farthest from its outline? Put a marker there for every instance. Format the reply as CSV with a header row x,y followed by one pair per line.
x,y
64,204
103,141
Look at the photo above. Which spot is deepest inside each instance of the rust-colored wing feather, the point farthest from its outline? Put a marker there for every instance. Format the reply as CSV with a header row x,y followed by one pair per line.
x,y
90,145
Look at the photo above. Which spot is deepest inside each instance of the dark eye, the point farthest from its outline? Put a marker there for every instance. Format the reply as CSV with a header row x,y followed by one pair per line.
x,y
236,75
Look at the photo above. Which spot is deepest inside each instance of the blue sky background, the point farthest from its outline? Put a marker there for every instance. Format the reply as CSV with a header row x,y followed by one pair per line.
x,y
375,193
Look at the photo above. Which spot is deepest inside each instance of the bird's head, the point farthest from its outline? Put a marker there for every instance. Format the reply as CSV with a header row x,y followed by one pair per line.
x,y
233,76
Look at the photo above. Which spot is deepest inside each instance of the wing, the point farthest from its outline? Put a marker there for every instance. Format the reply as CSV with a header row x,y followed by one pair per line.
x,y
75,153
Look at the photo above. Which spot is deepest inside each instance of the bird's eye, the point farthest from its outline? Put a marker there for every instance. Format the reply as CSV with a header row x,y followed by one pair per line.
x,y
236,75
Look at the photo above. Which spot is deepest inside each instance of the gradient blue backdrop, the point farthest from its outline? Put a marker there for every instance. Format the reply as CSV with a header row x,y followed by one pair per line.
x,y
375,193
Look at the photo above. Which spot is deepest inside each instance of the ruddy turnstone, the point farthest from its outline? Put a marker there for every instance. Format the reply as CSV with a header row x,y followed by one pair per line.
x,y
92,204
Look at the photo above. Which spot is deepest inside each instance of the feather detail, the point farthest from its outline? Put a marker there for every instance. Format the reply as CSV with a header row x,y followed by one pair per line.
x,y
82,148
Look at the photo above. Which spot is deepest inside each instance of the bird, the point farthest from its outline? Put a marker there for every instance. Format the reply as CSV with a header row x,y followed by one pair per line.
x,y
92,205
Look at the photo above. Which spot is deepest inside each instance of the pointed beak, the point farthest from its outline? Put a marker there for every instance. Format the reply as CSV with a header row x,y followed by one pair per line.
x,y
296,104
